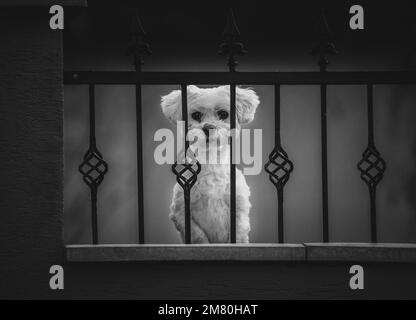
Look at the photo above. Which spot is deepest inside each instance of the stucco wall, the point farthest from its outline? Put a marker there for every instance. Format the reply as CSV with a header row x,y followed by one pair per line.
x,y
31,163
30,150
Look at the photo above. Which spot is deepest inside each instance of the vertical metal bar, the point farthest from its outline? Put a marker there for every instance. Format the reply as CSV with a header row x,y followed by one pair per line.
x,y
92,115
372,187
187,199
186,187
370,113
93,167
94,216
93,188
232,47
278,165
233,217
324,47
324,156
138,47
277,142
373,214
371,166
280,215
139,151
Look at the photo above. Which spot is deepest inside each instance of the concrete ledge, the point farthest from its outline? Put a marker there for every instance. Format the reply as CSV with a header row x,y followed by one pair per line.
x,y
354,252
361,252
218,252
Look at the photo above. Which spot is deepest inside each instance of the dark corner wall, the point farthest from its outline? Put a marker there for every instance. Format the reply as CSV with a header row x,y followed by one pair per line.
x,y
31,201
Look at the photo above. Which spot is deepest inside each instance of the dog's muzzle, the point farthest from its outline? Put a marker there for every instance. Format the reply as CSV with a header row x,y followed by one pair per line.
x,y
206,129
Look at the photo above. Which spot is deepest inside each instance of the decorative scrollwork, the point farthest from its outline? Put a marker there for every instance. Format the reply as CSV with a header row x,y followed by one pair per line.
x,y
187,171
93,168
372,166
279,167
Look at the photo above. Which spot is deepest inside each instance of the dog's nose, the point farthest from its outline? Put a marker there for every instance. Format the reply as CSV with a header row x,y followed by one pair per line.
x,y
206,128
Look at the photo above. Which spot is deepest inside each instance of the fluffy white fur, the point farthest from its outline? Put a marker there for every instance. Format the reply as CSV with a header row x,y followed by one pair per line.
x,y
210,196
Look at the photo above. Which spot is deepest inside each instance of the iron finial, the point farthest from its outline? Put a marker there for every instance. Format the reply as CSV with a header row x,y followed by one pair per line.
x,y
325,44
138,46
231,45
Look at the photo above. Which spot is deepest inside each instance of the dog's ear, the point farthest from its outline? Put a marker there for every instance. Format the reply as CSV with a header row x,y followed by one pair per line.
x,y
172,103
171,106
246,104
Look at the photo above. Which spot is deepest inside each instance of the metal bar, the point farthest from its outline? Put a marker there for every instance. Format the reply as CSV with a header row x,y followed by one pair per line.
x,y
187,199
94,215
277,142
93,188
371,187
370,115
247,78
91,94
278,166
324,156
233,216
373,213
93,167
371,166
139,143
280,216
186,188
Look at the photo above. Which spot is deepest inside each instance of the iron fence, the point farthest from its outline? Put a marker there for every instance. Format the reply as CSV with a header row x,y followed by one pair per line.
x,y
278,166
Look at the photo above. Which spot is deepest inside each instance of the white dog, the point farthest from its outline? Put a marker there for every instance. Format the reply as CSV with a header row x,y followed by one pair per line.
x,y
208,116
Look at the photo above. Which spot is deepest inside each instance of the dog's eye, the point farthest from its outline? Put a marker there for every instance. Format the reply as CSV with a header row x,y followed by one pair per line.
x,y
197,116
222,114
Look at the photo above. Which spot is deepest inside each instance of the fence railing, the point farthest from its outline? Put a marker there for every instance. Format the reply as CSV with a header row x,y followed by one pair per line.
x,y
279,166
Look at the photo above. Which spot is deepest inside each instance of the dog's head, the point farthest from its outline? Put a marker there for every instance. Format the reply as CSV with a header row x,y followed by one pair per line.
x,y
209,112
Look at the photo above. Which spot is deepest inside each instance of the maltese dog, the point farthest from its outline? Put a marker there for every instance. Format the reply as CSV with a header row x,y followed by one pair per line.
x,y
208,133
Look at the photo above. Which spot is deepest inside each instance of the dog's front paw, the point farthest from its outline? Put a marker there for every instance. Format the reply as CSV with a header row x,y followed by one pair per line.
x,y
198,236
